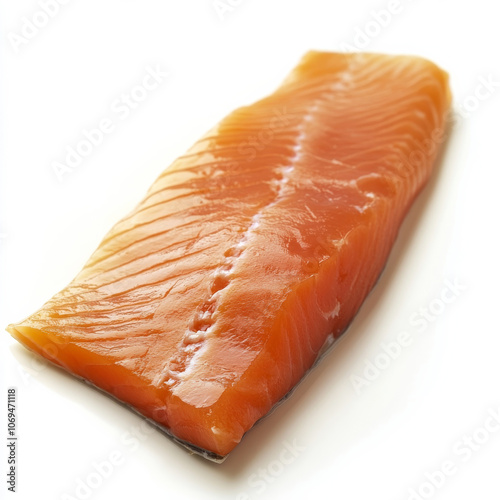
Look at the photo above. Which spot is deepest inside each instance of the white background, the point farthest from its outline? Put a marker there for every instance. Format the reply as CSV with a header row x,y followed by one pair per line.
x,y
378,442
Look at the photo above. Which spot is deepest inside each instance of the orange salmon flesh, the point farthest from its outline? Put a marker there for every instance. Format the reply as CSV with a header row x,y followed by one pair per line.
x,y
208,303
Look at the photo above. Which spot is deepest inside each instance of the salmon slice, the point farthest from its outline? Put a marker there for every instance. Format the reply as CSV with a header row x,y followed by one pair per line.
x,y
209,302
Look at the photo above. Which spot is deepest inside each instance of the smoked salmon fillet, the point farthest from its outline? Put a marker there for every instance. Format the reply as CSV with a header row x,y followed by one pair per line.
x,y
251,253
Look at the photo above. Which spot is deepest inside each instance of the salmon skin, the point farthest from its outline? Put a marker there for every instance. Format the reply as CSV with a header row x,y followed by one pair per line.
x,y
209,302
